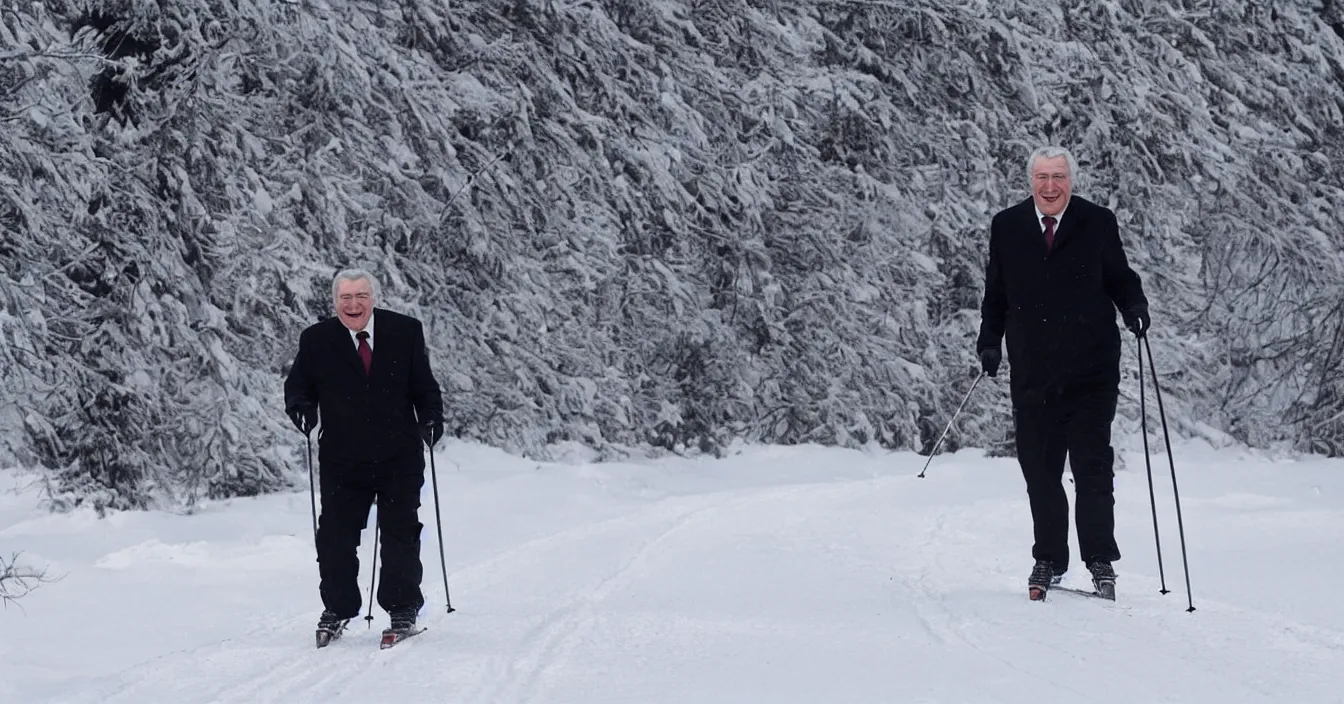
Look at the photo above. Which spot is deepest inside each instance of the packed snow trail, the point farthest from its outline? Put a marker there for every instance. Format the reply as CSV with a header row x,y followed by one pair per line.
x,y
779,575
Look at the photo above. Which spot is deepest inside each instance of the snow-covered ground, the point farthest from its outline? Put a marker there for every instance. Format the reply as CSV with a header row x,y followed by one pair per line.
x,y
776,575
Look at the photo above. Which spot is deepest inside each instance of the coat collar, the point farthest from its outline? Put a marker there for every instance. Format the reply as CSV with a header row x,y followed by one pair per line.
x,y
1074,215
340,337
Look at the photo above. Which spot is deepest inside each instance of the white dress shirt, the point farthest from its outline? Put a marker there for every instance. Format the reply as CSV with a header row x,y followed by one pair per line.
x,y
367,328
1040,220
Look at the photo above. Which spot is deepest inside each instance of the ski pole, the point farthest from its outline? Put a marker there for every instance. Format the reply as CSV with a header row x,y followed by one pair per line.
x,y
1166,436
373,577
312,489
438,524
1147,458
949,424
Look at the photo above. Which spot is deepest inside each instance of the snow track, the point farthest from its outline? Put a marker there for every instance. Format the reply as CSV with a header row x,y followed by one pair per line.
x,y
521,675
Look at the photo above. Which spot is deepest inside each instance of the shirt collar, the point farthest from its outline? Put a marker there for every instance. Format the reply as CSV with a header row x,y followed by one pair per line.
x,y
1039,217
368,327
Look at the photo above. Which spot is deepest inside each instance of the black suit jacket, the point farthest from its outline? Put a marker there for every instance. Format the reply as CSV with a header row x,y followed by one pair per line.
x,y
1057,309
374,419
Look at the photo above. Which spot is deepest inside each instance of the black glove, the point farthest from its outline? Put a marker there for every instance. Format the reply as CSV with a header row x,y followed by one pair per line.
x,y
1136,319
431,431
990,359
304,418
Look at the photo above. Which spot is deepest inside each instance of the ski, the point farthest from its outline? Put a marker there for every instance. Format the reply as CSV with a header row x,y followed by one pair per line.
x,y
1108,594
391,637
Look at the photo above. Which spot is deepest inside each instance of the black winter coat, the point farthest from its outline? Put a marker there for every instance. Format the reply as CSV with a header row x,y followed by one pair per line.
x,y
374,419
1057,309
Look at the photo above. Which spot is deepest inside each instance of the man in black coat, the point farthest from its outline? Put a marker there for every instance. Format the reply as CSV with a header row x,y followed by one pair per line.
x,y
1056,275
365,373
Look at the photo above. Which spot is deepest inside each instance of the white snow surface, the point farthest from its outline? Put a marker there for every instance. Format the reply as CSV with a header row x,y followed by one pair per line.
x,y
799,574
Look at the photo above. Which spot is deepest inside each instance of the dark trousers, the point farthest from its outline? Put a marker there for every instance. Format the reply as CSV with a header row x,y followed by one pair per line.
x,y
347,494
1078,426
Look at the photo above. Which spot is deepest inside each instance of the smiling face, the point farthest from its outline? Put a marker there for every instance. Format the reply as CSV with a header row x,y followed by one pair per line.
x,y
354,303
1051,184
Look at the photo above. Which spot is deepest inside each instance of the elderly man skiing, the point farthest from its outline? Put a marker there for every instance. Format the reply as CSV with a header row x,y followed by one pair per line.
x,y
1056,275
366,374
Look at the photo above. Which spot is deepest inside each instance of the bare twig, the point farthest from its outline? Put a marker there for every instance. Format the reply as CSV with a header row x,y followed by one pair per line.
x,y
17,581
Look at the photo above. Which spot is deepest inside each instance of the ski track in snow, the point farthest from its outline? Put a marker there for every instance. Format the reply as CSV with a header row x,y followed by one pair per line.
x,y
278,674
1237,628
546,646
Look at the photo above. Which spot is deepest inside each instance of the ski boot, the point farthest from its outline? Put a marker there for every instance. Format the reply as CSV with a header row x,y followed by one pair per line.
x,y
329,628
403,627
1103,579
1043,576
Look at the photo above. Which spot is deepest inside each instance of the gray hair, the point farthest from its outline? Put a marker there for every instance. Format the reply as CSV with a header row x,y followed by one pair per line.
x,y
1051,153
354,275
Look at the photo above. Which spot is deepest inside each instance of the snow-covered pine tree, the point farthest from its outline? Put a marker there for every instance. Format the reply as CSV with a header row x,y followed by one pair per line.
x,y
640,223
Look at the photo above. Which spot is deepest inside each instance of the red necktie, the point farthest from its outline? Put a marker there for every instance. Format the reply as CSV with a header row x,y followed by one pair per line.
x,y
365,352
1049,232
